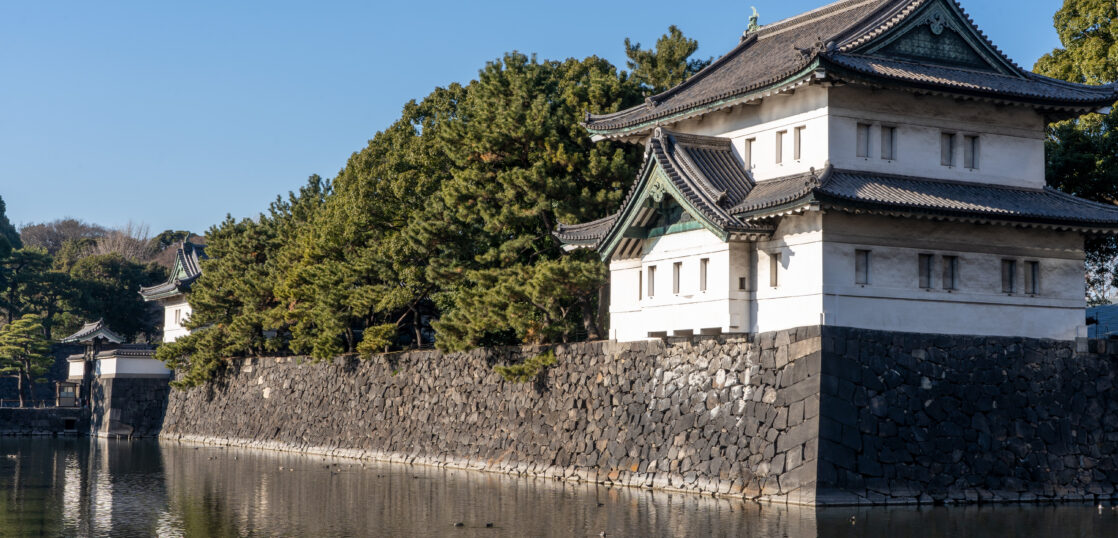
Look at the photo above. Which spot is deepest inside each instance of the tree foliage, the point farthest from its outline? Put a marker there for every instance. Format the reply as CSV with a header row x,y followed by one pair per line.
x,y
666,66
441,225
1082,154
8,233
24,353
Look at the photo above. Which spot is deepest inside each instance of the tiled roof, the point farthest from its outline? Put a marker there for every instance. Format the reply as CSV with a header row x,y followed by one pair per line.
x,y
1029,87
587,234
703,169
929,196
186,270
836,36
90,331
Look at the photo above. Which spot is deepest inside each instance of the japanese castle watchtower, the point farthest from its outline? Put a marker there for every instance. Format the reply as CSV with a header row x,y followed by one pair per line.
x,y
872,164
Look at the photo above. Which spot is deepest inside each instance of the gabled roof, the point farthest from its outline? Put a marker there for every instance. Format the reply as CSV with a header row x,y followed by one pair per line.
x,y
922,45
186,270
700,173
92,331
897,195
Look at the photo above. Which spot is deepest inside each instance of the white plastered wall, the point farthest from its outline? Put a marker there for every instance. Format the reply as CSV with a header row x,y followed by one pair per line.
x,y
634,315
175,313
797,299
130,367
1011,139
894,301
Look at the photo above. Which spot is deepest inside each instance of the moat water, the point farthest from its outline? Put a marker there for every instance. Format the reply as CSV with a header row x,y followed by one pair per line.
x,y
91,487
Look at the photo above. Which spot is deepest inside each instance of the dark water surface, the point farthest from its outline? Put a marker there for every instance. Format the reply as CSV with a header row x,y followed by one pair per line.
x,y
89,487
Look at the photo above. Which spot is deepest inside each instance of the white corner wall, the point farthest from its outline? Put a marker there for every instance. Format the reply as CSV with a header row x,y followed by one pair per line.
x,y
894,301
175,313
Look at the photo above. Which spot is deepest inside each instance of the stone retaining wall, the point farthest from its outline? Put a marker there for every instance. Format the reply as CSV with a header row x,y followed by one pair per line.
x,y
911,417
43,421
817,415
128,407
713,415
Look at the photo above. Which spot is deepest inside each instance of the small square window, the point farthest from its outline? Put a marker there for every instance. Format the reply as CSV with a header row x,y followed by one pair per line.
x,y
971,149
1009,276
927,262
798,143
889,143
950,272
863,140
1032,278
742,284
947,149
862,267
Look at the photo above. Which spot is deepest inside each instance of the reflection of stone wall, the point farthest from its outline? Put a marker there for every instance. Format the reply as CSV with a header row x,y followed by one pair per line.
x,y
48,421
717,416
126,405
813,415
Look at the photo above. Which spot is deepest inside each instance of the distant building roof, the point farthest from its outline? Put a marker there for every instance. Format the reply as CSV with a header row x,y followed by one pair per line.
x,y
928,46
92,331
186,270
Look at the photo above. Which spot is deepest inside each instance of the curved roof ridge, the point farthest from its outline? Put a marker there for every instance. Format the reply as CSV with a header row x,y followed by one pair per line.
x,y
795,21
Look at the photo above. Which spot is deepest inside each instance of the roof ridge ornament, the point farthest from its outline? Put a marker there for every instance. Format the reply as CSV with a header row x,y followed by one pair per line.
x,y
754,20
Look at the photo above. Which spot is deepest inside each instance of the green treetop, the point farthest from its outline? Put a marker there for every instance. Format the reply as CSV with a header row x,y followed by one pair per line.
x,y
24,353
666,66
1082,154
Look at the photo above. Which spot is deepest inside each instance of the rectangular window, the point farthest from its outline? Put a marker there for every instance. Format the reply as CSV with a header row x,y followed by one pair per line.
x,y
1009,276
947,149
970,152
950,272
862,267
864,140
704,264
741,284
178,316
1032,278
889,143
927,261
640,285
774,269
651,281
677,268
798,143
749,162
780,146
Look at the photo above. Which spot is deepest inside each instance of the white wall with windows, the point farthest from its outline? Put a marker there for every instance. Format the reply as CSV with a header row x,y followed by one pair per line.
x,y
685,283
952,278
175,313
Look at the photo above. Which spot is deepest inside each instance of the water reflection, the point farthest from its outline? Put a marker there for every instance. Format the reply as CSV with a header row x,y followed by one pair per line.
x,y
82,487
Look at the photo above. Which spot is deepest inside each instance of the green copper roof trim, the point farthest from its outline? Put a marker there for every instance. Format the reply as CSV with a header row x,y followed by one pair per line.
x,y
748,96
655,185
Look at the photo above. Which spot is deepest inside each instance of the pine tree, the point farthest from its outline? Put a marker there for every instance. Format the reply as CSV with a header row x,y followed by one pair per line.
x,y
1082,154
8,232
25,353
666,66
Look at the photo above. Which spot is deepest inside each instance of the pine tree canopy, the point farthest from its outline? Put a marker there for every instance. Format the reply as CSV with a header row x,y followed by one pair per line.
x,y
1082,154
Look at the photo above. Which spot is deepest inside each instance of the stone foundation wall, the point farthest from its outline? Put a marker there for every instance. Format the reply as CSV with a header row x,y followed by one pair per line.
x,y
721,416
817,415
924,418
45,421
128,406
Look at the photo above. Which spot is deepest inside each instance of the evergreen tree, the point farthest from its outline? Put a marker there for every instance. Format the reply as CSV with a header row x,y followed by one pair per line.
x,y
666,66
7,231
1082,154
24,353
108,286
522,163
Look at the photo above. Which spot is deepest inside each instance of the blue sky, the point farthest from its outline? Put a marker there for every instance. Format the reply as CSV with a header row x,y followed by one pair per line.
x,y
174,114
